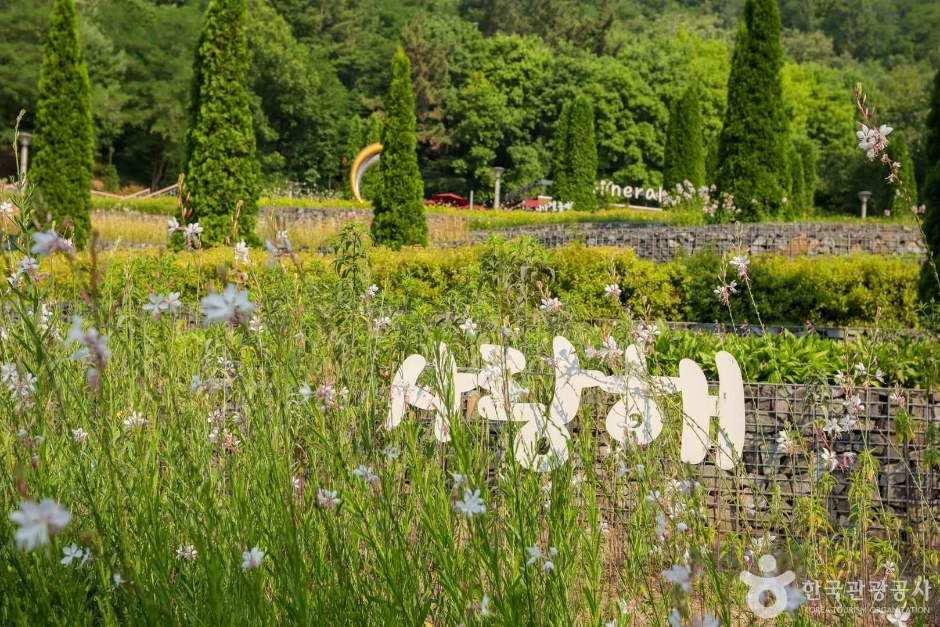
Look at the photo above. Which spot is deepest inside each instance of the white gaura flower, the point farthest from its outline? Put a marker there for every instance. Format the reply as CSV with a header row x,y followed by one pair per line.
x,y
370,293
471,505
231,305
172,226
252,559
118,580
899,617
366,474
135,420
391,452
71,553
187,553
257,324
241,253
37,521
741,263
45,244
550,305
829,458
381,322
159,304
612,290
79,435
469,327
679,575
91,342
192,231
675,619
535,554
328,499
485,610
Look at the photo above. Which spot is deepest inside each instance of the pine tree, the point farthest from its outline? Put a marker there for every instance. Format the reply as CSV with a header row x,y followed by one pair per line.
x,y
64,136
685,150
752,164
221,166
808,155
353,146
399,209
561,184
577,156
928,287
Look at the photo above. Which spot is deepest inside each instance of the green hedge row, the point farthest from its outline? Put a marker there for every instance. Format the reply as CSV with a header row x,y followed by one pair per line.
x,y
857,290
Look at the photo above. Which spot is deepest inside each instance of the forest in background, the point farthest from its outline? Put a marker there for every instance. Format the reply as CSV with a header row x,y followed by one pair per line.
x,y
490,77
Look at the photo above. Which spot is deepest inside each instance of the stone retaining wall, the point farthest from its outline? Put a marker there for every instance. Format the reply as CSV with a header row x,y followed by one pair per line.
x,y
656,242
662,243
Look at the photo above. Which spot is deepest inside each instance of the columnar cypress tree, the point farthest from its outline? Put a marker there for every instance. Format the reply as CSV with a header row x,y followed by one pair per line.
x,y
808,156
399,209
561,178
576,155
685,150
64,137
796,199
582,155
928,287
752,151
221,167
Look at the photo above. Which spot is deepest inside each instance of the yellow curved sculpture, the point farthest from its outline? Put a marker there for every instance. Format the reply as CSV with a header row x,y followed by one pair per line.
x,y
366,158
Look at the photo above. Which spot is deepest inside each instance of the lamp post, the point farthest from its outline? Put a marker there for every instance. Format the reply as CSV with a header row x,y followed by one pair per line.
x,y
498,173
25,139
864,196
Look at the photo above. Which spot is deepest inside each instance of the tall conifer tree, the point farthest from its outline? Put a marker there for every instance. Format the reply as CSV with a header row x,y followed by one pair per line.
x,y
928,287
752,150
576,155
64,137
399,208
221,166
685,151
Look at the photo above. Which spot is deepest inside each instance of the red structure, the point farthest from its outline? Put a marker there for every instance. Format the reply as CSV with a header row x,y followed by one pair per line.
x,y
448,200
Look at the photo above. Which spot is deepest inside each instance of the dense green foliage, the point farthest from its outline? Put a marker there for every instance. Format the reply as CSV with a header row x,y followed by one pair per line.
x,y
808,157
893,200
859,290
489,82
684,158
221,168
929,286
796,183
576,155
221,474
752,147
399,206
63,142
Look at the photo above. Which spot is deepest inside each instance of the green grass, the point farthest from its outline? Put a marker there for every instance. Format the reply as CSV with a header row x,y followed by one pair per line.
x,y
239,462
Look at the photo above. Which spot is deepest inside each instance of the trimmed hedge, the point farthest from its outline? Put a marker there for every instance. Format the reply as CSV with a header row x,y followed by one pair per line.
x,y
857,290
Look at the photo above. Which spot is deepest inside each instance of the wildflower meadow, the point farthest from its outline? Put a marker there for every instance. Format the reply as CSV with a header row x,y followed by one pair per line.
x,y
225,407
